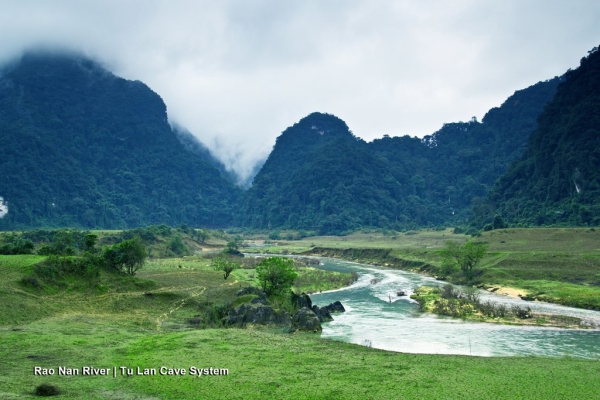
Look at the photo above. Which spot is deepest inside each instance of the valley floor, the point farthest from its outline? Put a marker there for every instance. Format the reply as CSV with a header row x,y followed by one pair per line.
x,y
557,265
144,323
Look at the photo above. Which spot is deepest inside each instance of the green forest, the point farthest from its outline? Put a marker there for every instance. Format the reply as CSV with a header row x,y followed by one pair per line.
x,y
557,180
321,177
84,148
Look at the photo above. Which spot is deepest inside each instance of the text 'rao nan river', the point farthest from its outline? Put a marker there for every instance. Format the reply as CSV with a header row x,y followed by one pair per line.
x,y
130,371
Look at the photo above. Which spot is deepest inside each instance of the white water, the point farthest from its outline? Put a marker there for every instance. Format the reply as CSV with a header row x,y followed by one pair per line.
x,y
398,325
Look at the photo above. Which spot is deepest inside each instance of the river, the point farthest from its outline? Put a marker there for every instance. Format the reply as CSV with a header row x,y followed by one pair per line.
x,y
375,316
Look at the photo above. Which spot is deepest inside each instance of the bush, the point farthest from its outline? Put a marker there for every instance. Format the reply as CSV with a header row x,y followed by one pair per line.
x,y
214,315
458,230
46,389
450,292
177,247
31,281
54,268
14,245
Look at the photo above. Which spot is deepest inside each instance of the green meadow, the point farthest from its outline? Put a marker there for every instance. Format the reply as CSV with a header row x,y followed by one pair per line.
x,y
151,321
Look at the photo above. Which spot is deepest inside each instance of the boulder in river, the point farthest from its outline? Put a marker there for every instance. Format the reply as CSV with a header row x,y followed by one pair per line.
x,y
305,320
322,313
334,307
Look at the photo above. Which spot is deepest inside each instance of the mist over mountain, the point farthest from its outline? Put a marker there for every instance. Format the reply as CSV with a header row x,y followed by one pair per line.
x,y
321,177
83,147
557,180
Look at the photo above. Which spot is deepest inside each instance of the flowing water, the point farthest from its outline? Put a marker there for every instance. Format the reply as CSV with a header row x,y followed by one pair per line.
x,y
375,316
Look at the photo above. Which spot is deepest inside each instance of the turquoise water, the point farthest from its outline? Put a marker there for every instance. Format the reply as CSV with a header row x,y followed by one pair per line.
x,y
375,316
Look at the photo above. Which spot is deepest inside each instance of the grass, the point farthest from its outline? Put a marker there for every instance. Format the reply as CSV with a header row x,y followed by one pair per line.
x,y
313,280
263,364
120,321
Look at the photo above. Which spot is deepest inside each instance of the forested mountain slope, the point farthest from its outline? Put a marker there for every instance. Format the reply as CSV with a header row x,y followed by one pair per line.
x,y
82,147
319,176
557,180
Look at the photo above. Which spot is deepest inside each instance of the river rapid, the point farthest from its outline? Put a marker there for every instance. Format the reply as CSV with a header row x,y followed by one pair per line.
x,y
375,316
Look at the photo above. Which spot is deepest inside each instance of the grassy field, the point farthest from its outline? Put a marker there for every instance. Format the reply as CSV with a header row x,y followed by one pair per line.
x,y
145,322
560,265
264,365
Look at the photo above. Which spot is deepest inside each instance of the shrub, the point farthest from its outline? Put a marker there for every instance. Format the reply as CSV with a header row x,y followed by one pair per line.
x,y
46,389
31,281
450,292
214,314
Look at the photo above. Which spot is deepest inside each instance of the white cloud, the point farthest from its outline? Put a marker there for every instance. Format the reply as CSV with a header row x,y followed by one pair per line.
x,y
237,73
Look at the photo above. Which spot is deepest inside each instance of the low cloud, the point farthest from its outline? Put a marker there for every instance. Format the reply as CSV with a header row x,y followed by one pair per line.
x,y
236,74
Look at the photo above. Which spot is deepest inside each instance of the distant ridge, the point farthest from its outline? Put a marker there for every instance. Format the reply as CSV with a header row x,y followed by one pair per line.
x,y
557,180
320,177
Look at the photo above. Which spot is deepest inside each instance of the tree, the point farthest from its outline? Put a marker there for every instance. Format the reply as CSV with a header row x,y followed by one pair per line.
x,y
202,235
232,248
127,256
276,274
465,257
177,246
89,242
225,265
498,222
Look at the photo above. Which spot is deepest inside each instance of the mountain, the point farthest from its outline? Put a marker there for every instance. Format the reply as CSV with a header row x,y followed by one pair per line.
x,y
83,147
321,177
557,179
318,176
193,144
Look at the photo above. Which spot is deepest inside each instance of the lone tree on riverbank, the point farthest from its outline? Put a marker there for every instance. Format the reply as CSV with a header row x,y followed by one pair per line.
x,y
276,275
465,257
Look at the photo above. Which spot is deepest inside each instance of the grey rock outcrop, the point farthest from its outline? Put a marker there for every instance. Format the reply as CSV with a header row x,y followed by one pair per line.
x,y
257,313
322,313
335,307
305,320
250,290
301,300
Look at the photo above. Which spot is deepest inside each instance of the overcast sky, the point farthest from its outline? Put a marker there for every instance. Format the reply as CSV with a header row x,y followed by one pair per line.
x,y
237,73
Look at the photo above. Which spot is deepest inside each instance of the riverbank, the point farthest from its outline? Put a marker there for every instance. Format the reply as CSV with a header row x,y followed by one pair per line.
x,y
555,265
450,301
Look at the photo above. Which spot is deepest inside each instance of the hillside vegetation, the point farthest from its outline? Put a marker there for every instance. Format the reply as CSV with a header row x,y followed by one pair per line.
x,y
321,177
82,147
557,180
